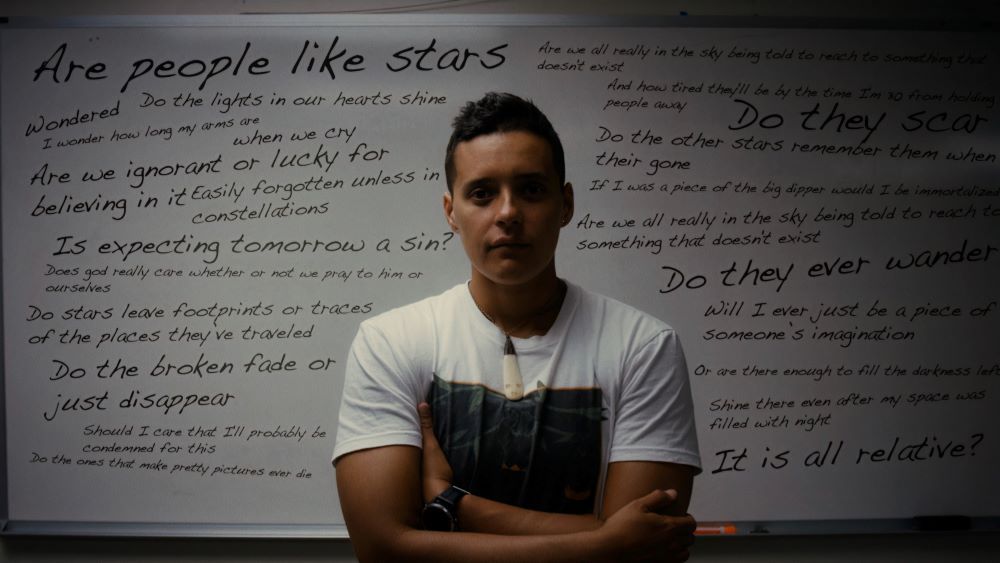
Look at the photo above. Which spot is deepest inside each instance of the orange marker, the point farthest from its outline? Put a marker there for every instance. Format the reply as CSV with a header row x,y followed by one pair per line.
x,y
721,530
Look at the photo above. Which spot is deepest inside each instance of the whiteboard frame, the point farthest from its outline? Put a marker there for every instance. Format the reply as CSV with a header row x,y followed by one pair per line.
x,y
512,20
339,532
916,525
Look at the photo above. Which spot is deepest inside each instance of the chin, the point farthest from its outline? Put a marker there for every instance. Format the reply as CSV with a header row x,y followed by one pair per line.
x,y
511,275
511,280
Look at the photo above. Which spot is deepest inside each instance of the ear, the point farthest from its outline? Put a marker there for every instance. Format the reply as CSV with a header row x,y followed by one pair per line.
x,y
449,211
567,213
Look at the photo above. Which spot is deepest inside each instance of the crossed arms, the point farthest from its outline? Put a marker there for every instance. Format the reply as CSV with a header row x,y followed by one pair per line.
x,y
382,491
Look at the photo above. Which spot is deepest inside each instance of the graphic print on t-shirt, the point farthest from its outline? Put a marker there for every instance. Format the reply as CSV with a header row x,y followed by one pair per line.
x,y
542,452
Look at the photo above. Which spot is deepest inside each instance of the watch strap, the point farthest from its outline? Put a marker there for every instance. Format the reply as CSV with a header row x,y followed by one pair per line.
x,y
441,514
450,497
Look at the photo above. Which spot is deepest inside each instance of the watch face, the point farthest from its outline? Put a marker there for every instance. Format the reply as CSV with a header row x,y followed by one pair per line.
x,y
437,518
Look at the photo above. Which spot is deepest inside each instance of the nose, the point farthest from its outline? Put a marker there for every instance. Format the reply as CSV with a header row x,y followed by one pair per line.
x,y
509,208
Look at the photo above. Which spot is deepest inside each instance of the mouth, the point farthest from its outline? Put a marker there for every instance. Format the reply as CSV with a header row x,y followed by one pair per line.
x,y
507,243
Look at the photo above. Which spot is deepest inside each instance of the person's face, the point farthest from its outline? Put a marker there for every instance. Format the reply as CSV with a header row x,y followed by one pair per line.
x,y
507,205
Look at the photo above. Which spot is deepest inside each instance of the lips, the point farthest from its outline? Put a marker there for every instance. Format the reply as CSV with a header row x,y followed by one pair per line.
x,y
507,243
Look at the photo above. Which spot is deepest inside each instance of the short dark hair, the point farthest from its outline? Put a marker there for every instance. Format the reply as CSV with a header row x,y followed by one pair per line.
x,y
500,112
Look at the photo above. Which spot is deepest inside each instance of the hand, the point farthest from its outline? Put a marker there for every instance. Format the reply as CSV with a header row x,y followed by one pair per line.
x,y
640,531
436,472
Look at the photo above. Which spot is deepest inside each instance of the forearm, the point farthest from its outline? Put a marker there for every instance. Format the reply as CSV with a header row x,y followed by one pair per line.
x,y
478,514
380,495
637,532
379,492
415,545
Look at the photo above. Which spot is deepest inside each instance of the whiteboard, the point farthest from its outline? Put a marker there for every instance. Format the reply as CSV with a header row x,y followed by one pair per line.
x,y
198,213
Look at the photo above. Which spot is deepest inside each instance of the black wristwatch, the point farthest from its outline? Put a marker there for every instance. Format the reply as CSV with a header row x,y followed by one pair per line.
x,y
441,514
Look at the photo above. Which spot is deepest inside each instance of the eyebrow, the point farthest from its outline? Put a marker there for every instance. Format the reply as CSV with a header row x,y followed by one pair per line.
x,y
531,176
489,181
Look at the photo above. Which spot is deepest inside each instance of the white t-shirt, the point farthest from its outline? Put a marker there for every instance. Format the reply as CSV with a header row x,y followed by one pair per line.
x,y
606,383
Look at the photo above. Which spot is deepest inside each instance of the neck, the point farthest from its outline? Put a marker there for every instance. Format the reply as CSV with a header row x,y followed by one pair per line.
x,y
520,310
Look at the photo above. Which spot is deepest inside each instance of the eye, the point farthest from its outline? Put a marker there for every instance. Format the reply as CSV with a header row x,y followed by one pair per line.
x,y
533,190
479,195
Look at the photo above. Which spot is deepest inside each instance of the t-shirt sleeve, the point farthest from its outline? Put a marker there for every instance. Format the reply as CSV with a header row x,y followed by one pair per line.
x,y
655,416
379,404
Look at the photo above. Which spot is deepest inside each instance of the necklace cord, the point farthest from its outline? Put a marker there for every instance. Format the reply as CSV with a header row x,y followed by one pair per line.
x,y
554,302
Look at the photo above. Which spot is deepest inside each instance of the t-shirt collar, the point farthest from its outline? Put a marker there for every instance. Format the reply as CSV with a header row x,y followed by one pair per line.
x,y
487,329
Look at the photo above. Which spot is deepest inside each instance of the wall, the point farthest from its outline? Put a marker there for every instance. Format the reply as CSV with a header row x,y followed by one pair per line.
x,y
858,548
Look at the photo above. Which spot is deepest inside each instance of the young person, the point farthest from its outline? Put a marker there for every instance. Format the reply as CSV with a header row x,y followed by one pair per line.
x,y
516,416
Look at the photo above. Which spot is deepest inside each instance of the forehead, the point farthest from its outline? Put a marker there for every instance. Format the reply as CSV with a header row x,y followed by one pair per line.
x,y
502,154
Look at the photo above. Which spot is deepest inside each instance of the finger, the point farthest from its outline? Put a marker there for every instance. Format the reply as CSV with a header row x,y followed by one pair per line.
x,y
657,500
427,427
683,524
426,420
